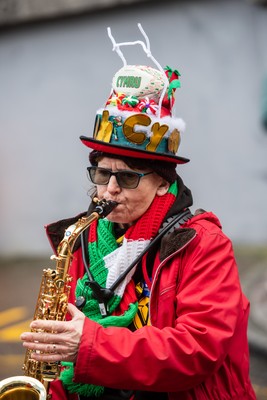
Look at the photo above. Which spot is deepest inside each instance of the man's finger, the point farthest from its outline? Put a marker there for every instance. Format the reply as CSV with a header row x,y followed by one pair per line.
x,y
49,325
42,337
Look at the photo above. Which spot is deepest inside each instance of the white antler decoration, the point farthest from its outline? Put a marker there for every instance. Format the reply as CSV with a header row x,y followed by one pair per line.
x,y
146,48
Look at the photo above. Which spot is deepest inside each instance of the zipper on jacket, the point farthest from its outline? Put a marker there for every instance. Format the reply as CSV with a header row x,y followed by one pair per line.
x,y
162,264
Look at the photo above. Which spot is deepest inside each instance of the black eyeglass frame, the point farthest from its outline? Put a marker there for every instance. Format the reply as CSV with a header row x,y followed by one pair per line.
x,y
117,175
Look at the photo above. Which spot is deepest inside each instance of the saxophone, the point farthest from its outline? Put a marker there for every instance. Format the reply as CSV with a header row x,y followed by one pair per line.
x,y
51,304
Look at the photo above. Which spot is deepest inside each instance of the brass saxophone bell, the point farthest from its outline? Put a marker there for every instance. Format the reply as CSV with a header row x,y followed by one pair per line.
x,y
22,388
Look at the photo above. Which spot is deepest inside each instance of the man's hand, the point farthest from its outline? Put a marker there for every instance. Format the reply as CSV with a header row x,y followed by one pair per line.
x,y
61,344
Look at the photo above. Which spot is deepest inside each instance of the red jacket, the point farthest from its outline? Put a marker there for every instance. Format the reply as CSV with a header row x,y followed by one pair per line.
x,y
197,345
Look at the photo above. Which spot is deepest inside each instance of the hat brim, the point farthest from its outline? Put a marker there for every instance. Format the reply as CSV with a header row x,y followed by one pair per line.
x,y
130,152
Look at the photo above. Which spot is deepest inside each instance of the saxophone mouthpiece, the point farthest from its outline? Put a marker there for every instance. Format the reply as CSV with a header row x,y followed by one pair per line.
x,y
104,207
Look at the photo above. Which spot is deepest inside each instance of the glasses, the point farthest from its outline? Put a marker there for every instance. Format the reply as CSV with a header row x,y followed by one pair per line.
x,y
125,179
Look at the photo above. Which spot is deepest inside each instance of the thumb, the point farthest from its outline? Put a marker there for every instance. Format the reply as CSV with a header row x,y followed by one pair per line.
x,y
74,311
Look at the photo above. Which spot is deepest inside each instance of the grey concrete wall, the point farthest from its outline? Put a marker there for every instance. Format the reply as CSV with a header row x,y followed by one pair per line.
x,y
53,77
24,11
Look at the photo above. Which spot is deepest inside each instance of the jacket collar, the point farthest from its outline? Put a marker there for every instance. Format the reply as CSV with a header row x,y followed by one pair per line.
x,y
175,241
180,237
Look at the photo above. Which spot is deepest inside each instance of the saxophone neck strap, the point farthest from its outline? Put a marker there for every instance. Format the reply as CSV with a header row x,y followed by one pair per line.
x,y
104,294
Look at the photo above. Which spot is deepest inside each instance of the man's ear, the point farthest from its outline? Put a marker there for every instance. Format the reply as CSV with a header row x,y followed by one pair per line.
x,y
163,188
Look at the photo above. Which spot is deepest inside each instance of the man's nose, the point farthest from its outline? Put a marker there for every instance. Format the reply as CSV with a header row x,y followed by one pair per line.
x,y
113,184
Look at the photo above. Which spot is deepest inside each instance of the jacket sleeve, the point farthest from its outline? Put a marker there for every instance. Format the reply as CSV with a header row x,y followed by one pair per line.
x,y
208,305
